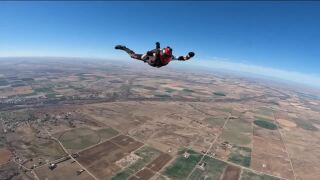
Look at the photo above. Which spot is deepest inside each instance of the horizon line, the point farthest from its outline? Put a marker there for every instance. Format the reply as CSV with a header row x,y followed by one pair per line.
x,y
299,78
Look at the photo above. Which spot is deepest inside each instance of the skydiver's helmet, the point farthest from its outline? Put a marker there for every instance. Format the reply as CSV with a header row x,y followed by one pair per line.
x,y
166,55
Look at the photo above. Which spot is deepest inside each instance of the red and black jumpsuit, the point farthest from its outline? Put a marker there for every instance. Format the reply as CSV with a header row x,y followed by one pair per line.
x,y
157,57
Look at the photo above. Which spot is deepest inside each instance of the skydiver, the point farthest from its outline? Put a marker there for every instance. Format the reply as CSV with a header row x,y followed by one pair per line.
x,y
157,57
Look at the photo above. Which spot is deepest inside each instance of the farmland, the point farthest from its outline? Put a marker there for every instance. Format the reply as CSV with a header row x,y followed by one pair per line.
x,y
102,120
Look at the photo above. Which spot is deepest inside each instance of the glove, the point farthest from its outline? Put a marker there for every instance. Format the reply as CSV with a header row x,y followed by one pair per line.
x,y
157,45
191,54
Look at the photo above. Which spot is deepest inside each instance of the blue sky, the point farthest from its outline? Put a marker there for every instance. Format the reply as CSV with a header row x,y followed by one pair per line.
x,y
280,37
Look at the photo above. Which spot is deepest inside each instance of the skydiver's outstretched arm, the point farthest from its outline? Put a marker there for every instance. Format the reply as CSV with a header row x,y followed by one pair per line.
x,y
184,58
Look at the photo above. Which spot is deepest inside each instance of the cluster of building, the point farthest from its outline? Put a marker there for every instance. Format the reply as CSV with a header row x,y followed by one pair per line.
x,y
54,165
226,145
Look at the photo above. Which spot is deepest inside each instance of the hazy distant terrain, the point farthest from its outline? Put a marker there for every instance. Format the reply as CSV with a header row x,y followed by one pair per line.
x,y
107,120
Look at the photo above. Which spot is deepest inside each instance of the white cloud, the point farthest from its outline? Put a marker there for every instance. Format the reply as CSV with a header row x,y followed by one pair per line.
x,y
308,79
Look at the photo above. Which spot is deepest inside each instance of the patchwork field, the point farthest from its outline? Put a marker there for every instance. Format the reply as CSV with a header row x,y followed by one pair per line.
x,y
100,159
101,120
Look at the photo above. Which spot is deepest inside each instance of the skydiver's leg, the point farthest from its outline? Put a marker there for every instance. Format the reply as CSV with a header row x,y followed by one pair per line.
x,y
136,56
124,48
144,57
131,53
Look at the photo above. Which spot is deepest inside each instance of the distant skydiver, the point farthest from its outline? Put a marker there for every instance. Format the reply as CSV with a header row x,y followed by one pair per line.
x,y
157,57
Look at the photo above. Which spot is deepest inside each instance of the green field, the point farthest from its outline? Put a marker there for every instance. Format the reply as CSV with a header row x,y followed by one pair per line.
x,y
241,156
18,84
107,133
51,95
238,132
77,88
162,96
147,155
181,166
26,95
170,90
27,79
188,90
213,170
265,124
123,175
219,94
79,138
248,175
43,90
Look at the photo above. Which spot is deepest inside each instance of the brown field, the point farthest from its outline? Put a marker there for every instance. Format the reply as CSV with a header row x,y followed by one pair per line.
x,y
100,159
271,164
269,154
5,155
305,169
23,89
144,174
231,173
265,133
286,123
66,91
89,156
159,162
304,150
126,142
64,170
268,146
16,91
102,169
163,128
281,115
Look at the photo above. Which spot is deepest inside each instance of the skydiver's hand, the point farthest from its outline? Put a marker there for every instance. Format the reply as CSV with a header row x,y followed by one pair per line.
x,y
157,45
191,54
